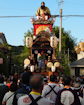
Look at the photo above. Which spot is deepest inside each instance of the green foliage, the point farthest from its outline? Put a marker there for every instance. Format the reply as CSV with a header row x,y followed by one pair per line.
x,y
4,66
66,69
28,34
67,42
21,52
19,61
17,50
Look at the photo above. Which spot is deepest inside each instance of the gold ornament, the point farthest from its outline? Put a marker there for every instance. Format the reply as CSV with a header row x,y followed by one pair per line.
x,y
49,64
40,28
57,64
26,61
81,46
77,49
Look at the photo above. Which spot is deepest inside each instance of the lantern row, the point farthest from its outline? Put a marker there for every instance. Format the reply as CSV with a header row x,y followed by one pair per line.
x,y
53,41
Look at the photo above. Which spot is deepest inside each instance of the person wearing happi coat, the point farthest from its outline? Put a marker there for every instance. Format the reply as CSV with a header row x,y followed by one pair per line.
x,y
67,96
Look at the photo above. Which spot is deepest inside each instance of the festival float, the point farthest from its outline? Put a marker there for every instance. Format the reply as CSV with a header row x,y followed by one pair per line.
x,y
43,47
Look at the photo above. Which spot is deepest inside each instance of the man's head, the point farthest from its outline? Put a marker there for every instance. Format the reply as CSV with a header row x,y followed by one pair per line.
x,y
13,87
42,5
36,82
66,80
26,77
77,87
1,79
53,78
26,69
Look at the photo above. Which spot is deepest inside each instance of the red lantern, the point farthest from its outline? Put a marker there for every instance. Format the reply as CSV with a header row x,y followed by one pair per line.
x,y
1,61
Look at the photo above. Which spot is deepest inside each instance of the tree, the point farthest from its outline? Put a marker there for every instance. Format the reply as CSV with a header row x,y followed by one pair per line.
x,y
22,52
67,41
66,69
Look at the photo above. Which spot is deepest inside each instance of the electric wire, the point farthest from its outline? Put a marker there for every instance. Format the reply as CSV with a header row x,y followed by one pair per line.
x,y
35,16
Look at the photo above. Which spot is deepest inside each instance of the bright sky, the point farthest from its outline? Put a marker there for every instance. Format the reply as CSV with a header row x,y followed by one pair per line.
x,y
14,28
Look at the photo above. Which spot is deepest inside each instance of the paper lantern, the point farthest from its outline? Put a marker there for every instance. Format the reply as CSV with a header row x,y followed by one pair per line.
x,y
46,17
53,41
49,64
57,64
1,61
34,37
25,66
53,68
32,68
32,20
81,46
37,17
29,42
26,61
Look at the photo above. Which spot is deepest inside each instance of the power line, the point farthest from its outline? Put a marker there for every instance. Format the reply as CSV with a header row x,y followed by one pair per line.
x,y
72,15
68,15
14,16
35,16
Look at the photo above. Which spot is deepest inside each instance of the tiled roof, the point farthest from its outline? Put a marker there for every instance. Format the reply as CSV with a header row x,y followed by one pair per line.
x,y
1,34
78,63
3,37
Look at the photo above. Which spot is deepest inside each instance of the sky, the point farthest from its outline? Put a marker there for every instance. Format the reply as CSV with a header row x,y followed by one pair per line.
x,y
14,28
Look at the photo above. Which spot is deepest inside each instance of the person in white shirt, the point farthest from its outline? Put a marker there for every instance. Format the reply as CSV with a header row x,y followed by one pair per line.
x,y
50,91
77,87
8,97
34,98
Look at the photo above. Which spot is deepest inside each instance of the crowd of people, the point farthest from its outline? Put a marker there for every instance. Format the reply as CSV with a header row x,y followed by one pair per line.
x,y
36,89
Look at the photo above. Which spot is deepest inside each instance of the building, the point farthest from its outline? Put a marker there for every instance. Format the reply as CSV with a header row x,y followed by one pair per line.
x,y
2,39
77,67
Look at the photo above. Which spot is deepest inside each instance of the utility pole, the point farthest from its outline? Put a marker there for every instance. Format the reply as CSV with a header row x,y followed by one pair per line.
x,y
60,33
